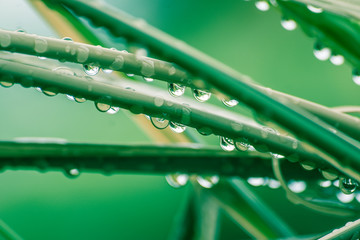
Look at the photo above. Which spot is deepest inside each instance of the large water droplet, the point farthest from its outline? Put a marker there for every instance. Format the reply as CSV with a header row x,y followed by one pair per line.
x,y
227,144
262,5
64,71
177,180
337,60
91,70
113,110
102,107
176,90
159,123
207,181
230,103
321,53
297,186
314,9
40,45
347,185
201,95
356,76
288,24
329,174
177,127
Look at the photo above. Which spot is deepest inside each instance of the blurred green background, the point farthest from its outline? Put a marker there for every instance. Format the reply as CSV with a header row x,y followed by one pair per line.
x,y
93,206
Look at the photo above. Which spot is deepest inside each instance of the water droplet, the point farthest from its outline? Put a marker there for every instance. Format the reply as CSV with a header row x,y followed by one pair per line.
x,y
158,101
176,90
5,40
297,186
227,144
147,67
82,54
159,123
321,53
107,71
40,45
345,198
79,99
20,30
113,110
288,24
336,183
356,76
262,5
274,184
64,71
230,103
177,127
67,39
72,173
50,93
7,81
177,180
307,165
329,174
325,184
91,70
102,107
256,181
201,95
207,181
314,9
347,185
118,63
205,131
147,79
241,146
130,74
337,60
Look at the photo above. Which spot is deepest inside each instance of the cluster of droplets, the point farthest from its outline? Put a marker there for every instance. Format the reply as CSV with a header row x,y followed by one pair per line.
x,y
177,180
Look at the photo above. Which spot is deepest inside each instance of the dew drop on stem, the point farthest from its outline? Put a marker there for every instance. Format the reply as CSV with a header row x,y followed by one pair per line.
x,y
321,53
201,95
230,103
72,173
159,123
227,144
356,76
113,110
91,70
315,9
207,181
297,186
176,90
347,185
262,5
102,107
177,180
329,174
288,24
337,60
